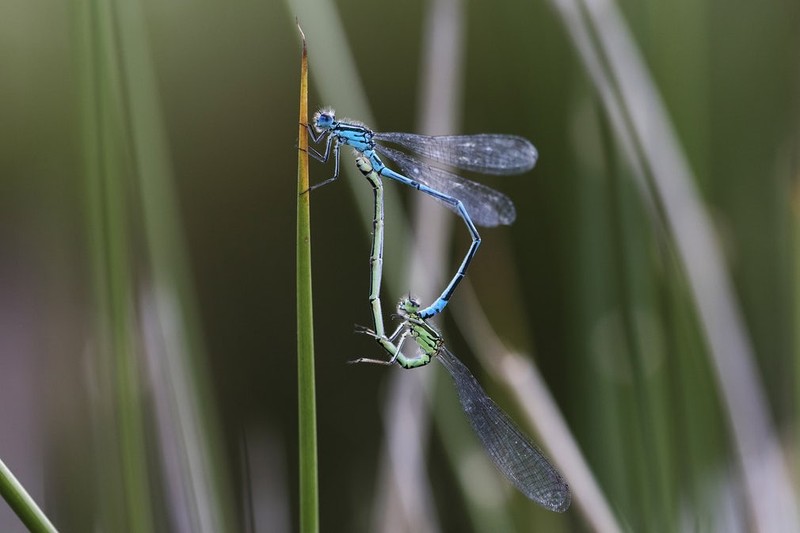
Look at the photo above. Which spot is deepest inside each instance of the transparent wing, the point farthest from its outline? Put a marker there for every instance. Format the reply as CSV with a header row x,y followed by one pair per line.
x,y
485,153
510,450
486,206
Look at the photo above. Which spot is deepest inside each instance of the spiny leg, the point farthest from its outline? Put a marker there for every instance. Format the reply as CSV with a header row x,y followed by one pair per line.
x,y
336,151
314,138
313,152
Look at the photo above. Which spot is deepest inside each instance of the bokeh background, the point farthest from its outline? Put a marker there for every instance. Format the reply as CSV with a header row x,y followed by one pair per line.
x,y
147,240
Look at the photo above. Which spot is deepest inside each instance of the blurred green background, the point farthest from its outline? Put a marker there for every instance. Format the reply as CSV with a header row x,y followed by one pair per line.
x,y
147,225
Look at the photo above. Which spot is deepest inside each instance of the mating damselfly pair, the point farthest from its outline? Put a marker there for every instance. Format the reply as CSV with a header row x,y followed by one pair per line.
x,y
473,202
509,449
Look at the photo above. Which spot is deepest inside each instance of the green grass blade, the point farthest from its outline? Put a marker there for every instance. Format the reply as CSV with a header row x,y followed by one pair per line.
x,y
307,403
21,502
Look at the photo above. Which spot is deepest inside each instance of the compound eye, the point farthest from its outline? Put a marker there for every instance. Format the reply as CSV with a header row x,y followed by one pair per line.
x,y
323,120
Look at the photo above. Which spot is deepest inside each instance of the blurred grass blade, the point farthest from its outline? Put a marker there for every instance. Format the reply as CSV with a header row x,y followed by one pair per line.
x,y
641,123
122,474
21,502
198,490
307,403
131,205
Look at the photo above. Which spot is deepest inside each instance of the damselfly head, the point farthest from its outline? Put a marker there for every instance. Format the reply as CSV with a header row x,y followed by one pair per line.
x,y
408,306
324,119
